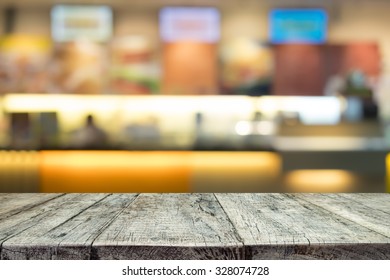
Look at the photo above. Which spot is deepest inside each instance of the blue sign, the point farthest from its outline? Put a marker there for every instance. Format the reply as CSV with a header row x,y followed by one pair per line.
x,y
303,26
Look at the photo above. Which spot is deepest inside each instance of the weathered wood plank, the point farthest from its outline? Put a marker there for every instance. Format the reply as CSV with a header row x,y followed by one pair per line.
x,y
11,204
194,226
377,201
280,226
71,239
370,211
43,218
170,226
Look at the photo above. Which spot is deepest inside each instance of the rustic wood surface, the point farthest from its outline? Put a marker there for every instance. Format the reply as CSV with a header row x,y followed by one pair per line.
x,y
69,230
287,226
369,210
170,226
36,221
195,226
11,204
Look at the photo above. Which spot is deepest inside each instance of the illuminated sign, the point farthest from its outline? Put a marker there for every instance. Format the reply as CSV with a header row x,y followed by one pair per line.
x,y
73,22
189,24
298,26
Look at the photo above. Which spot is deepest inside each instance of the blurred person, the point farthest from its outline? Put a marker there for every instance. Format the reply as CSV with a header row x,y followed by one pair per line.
x,y
199,142
359,86
335,85
91,136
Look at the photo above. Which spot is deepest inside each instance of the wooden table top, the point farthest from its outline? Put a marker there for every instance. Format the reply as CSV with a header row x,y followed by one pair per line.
x,y
195,226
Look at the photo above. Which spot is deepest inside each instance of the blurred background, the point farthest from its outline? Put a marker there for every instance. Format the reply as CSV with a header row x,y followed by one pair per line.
x,y
194,96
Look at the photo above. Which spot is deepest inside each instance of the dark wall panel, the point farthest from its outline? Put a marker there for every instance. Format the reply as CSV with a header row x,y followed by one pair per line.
x,y
304,69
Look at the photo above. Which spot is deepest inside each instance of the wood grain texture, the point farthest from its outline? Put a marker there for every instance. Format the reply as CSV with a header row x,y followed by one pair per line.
x,y
11,204
195,226
377,201
170,226
71,239
34,223
282,226
371,210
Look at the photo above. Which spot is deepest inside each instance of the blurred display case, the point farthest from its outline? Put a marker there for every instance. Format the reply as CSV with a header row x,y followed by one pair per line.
x,y
39,121
220,143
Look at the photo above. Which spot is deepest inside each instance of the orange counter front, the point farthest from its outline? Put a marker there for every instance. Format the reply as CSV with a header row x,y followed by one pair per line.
x,y
172,171
388,173
157,171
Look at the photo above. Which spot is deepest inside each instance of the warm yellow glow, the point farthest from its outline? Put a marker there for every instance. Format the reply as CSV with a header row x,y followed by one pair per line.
x,y
71,109
235,171
235,105
157,171
114,159
269,105
19,171
31,103
25,44
319,181
180,110
388,172
236,159
60,102
114,171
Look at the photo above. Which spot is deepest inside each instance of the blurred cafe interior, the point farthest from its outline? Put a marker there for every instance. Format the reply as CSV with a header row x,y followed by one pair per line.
x,y
194,96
